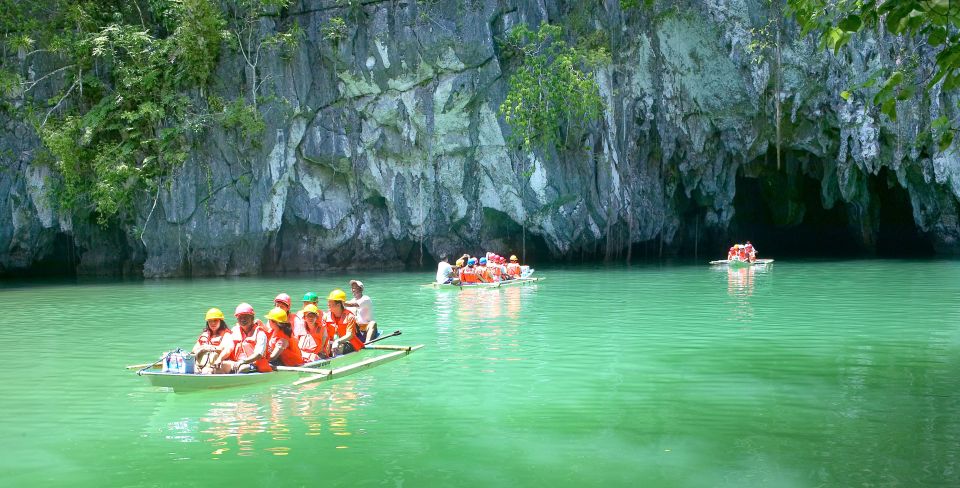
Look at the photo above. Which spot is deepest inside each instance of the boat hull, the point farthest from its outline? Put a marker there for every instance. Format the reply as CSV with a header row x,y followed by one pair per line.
x,y
480,286
181,382
736,263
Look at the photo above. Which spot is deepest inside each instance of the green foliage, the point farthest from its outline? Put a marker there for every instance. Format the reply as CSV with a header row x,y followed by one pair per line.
x,y
121,122
243,117
335,30
932,22
553,92
635,4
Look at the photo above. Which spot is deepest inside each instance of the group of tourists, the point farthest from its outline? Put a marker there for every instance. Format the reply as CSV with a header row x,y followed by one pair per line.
x,y
490,268
287,338
742,252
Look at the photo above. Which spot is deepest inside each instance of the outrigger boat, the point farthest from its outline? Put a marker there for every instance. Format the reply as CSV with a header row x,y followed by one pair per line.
x,y
736,263
310,372
497,284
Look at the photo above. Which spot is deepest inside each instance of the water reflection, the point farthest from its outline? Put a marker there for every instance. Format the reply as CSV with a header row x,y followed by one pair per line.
x,y
263,422
741,284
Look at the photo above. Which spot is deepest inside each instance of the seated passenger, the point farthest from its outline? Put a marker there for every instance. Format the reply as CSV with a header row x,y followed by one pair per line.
x,y
468,274
343,323
313,344
309,298
211,341
283,348
247,351
513,269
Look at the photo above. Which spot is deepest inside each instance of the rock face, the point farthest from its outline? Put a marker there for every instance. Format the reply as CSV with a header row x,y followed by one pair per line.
x,y
385,149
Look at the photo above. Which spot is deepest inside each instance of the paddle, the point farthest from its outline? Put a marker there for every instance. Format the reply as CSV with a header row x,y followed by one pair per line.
x,y
378,339
154,363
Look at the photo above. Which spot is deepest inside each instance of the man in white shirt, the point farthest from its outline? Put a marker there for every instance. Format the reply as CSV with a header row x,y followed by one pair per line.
x,y
362,308
444,271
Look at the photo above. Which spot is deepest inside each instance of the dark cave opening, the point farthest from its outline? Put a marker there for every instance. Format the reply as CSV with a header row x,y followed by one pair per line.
x,y
783,216
791,223
898,234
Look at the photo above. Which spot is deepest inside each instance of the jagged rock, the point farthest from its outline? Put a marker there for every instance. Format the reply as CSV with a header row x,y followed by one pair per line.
x,y
386,148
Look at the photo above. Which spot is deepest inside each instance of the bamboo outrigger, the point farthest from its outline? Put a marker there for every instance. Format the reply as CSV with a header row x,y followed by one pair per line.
x,y
181,382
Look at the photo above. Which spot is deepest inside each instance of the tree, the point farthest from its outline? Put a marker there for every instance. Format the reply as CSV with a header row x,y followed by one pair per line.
x,y
121,120
931,22
553,92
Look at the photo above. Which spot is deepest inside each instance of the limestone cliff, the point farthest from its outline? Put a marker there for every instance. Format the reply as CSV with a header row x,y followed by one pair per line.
x,y
386,148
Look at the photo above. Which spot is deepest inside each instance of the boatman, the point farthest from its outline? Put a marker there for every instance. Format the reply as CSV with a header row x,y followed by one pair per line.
x,y
362,308
444,271
248,345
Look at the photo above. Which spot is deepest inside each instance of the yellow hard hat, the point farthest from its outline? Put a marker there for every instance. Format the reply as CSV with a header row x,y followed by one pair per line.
x,y
311,308
214,313
513,257
337,295
277,315
460,262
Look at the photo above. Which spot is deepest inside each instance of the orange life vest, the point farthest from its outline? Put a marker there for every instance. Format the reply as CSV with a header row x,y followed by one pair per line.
x,y
205,339
495,272
290,356
469,275
244,346
513,269
312,344
339,325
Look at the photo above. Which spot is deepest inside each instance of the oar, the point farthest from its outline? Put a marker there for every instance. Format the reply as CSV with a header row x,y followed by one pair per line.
x,y
154,363
378,339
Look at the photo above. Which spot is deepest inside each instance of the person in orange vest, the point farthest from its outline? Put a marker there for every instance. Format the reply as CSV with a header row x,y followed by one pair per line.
x,y
285,302
493,268
732,252
742,253
513,269
344,324
283,348
248,345
751,252
483,272
211,341
313,344
299,326
468,274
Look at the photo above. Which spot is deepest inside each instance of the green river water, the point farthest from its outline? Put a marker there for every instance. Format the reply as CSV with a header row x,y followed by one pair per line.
x,y
805,374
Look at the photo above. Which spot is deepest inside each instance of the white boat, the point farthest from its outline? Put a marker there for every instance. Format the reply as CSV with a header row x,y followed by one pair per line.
x,y
480,286
736,263
182,382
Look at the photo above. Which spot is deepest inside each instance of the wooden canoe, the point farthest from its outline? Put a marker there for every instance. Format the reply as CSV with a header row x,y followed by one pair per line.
x,y
179,382
481,286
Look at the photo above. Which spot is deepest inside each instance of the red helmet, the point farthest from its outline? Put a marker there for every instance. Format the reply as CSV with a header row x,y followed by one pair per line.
x,y
283,298
243,309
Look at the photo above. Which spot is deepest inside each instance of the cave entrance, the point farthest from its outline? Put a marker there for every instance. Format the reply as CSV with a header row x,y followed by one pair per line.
x,y
898,234
783,216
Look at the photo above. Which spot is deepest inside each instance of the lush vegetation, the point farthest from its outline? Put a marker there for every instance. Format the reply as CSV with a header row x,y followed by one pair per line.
x,y
553,92
932,23
131,80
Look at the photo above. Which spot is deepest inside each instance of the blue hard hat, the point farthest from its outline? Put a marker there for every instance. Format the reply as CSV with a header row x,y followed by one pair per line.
x,y
472,261
483,260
